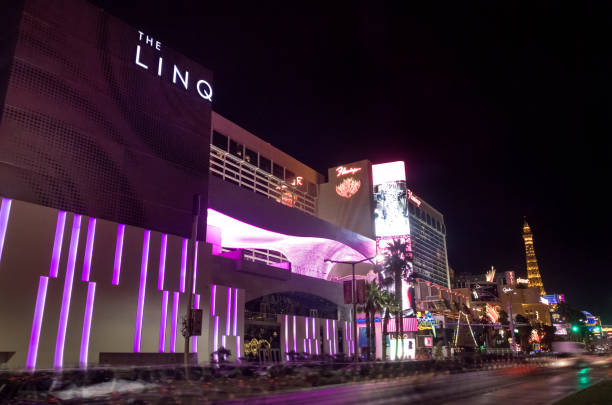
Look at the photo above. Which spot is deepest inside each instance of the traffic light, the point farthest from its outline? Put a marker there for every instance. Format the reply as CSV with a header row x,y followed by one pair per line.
x,y
575,328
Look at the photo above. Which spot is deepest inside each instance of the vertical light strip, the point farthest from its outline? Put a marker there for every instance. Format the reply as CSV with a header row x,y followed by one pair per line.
x,y
57,244
213,299
175,307
304,342
67,294
91,293
294,335
238,349
327,328
118,253
5,209
330,348
183,266
235,311
314,332
287,337
194,339
39,310
162,262
195,268
162,322
306,324
89,244
216,335
346,332
316,342
335,336
309,346
223,341
142,288
228,310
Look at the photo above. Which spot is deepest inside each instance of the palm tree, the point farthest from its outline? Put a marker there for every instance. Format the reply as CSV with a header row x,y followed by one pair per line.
x,y
396,265
390,306
374,304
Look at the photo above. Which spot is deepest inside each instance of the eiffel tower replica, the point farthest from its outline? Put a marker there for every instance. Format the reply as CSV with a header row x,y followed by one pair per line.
x,y
533,271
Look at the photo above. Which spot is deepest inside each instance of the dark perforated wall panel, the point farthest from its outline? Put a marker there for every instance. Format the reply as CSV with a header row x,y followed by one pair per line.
x,y
86,128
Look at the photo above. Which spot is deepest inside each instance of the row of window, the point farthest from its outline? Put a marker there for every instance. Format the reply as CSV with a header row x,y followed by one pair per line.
x,y
416,211
250,156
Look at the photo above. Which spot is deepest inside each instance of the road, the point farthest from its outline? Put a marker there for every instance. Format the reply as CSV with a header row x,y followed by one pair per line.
x,y
516,386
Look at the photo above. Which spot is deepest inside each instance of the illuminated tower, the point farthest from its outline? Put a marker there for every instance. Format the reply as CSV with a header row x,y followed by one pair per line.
x,y
533,271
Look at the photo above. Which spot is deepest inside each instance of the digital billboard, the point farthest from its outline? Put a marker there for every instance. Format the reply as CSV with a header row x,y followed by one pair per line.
x,y
390,212
100,118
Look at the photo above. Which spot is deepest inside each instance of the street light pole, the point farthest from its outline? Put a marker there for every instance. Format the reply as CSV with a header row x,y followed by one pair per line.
x,y
353,297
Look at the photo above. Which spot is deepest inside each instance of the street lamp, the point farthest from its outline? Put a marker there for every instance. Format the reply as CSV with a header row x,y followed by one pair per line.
x,y
353,293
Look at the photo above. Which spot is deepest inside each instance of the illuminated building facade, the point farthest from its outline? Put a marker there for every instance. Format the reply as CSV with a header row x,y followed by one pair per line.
x,y
106,135
533,271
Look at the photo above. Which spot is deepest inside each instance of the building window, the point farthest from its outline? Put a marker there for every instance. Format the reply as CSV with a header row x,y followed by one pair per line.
x,y
219,140
236,149
265,164
312,189
250,156
438,224
289,176
428,220
278,171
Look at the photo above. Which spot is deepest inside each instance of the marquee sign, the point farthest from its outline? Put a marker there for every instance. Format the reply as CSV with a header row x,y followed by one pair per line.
x,y
179,76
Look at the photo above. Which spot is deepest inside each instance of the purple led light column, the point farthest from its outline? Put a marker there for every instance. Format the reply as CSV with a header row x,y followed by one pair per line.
x,y
195,268
194,339
5,209
294,336
67,294
287,336
183,266
39,309
306,323
229,310
335,336
313,328
213,299
89,244
327,328
57,243
118,253
235,311
316,342
91,293
144,264
162,323
162,262
238,349
175,305
216,335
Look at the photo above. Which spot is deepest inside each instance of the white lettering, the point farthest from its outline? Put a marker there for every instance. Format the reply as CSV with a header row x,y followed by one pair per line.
x,y
158,45
159,66
140,33
138,62
207,95
184,80
149,40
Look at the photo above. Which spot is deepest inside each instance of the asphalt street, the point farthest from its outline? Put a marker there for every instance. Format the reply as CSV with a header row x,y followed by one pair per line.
x,y
516,386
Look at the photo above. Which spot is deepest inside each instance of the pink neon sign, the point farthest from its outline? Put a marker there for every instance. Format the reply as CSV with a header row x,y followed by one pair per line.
x,y
341,170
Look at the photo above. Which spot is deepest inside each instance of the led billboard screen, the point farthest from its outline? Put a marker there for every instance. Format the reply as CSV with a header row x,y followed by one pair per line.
x,y
101,119
390,212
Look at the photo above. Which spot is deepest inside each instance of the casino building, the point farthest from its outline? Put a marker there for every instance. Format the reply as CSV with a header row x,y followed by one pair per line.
x,y
107,137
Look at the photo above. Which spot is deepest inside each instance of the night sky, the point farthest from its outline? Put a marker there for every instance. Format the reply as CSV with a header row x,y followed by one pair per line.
x,y
499,110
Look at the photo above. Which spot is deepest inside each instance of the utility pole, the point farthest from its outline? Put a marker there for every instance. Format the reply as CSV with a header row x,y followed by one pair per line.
x,y
189,285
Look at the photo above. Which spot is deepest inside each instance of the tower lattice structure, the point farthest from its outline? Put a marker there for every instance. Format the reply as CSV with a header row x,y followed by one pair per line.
x,y
533,271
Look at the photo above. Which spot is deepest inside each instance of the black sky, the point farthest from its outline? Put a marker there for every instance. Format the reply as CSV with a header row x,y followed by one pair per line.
x,y
500,109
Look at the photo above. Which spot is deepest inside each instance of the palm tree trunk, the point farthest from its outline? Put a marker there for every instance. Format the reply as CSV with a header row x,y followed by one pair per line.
x,y
400,327
373,334
384,335
367,315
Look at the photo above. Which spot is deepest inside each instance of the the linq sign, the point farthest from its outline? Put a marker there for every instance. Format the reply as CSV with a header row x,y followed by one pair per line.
x,y
148,56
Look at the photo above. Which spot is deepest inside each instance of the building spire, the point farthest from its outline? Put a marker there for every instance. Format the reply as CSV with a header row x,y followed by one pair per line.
x,y
533,271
